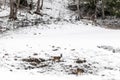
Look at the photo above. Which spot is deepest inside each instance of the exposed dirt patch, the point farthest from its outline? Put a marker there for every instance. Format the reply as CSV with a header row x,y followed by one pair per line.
x,y
56,60
78,67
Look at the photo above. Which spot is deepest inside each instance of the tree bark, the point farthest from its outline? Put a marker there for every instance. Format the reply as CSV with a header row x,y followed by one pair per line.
x,y
103,10
41,4
79,12
31,5
95,3
16,9
38,6
38,9
13,9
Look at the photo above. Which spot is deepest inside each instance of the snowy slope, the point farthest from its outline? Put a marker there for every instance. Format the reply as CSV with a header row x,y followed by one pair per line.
x,y
91,48
72,40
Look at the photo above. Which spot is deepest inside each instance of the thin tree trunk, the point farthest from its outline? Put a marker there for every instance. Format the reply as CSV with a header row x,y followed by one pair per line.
x,y
41,4
31,5
11,9
95,3
18,4
16,9
38,6
103,10
79,12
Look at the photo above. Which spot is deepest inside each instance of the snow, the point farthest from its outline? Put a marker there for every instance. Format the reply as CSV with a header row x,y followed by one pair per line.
x,y
100,48
83,38
4,13
25,76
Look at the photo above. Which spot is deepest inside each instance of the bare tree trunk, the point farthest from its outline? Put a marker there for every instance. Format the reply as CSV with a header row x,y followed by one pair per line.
x,y
79,12
95,3
38,6
13,9
16,9
18,4
41,4
94,15
31,5
103,11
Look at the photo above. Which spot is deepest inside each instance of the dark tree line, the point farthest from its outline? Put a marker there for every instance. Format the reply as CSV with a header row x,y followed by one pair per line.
x,y
15,5
85,8
98,8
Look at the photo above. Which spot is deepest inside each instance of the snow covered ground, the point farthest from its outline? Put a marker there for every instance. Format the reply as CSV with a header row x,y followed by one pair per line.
x,y
27,53
98,46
